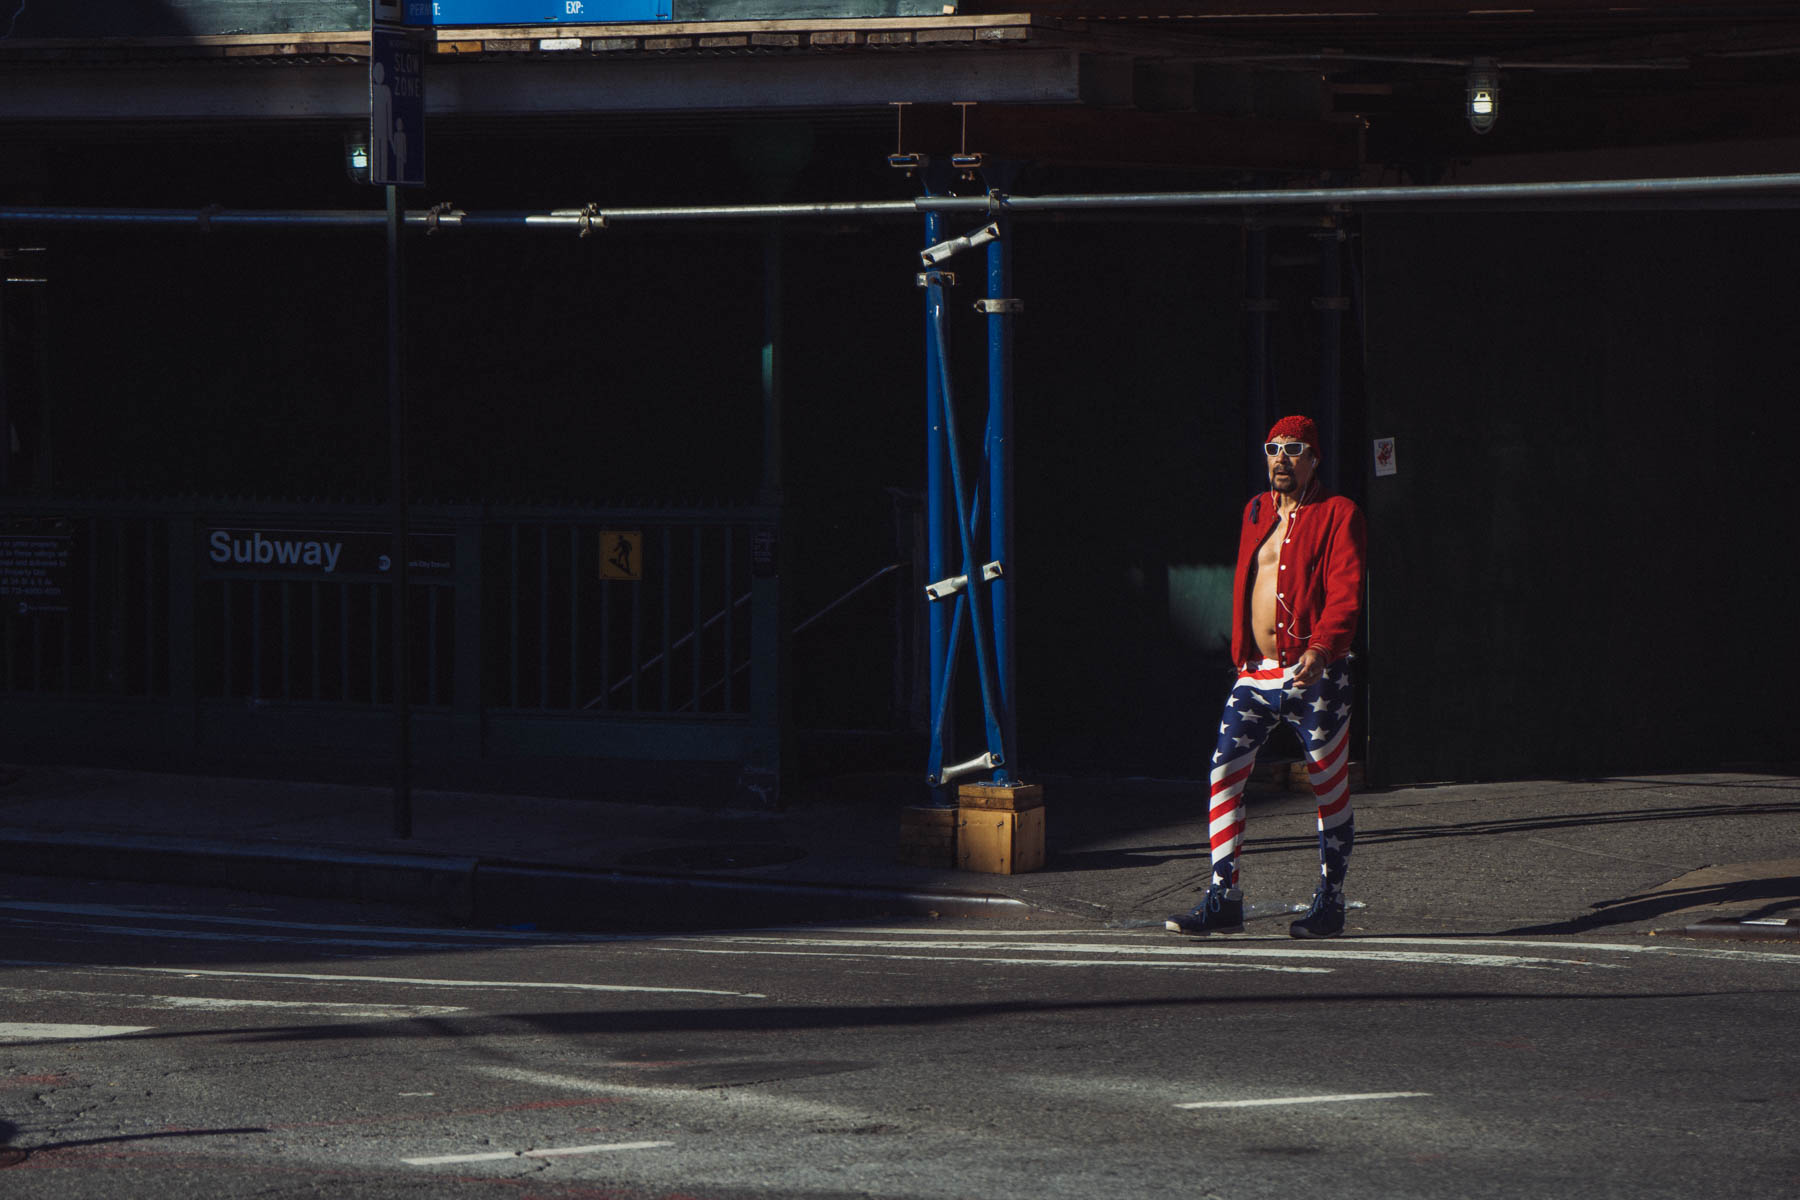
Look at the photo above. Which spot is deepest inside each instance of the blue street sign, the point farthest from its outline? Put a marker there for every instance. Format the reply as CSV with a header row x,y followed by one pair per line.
x,y
532,12
397,106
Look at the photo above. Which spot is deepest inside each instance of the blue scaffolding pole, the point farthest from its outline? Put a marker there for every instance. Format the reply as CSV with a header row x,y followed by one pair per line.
x,y
937,486
1001,308
977,595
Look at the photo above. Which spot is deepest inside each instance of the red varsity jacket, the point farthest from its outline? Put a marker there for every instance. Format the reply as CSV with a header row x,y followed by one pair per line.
x,y
1320,584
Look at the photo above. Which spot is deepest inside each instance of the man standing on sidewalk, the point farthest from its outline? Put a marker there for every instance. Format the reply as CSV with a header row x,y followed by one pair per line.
x,y
1297,597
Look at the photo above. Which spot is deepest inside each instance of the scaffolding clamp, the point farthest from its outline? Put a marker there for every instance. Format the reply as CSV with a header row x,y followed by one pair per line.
x,y
943,589
999,306
936,278
587,218
436,212
933,255
591,219
982,763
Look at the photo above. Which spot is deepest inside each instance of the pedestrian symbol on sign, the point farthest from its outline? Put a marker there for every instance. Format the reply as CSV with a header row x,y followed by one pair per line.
x,y
621,554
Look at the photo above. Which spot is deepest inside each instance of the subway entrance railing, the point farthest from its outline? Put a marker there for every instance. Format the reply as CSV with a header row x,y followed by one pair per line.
x,y
199,630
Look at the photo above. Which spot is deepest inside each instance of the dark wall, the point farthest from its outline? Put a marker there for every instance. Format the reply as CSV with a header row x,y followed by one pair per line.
x,y
624,367
1582,554
1130,478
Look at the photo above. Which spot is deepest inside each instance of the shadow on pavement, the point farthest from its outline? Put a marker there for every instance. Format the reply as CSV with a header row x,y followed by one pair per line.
x,y
162,1134
789,1018
1412,833
1784,890
1142,856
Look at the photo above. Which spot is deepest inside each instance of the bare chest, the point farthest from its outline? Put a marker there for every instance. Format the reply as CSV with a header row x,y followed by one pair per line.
x,y
1269,553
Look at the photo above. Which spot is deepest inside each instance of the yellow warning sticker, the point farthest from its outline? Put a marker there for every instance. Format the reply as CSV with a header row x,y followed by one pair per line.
x,y
622,554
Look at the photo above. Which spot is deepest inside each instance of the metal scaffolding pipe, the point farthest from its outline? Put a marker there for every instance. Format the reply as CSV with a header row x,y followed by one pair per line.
x,y
1433,194
1773,190
200,219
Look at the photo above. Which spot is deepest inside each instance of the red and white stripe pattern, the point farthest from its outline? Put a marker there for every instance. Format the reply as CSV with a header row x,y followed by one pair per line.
x,y
1320,714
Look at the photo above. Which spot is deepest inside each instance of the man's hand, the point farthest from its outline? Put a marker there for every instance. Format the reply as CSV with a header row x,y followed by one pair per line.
x,y
1312,665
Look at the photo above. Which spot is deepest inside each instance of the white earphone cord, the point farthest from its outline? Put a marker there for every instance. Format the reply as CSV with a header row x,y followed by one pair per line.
x,y
1297,507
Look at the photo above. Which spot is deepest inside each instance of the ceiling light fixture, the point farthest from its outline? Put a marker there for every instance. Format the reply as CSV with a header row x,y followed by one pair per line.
x,y
1484,94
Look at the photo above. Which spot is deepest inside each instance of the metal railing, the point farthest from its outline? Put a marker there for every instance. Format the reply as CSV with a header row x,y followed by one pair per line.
x,y
667,644
113,645
512,614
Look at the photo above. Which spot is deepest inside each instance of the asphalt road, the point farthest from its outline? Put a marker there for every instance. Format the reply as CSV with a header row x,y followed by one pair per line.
x,y
169,1042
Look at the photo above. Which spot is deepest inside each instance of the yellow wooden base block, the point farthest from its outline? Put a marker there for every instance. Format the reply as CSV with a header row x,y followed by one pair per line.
x,y
1003,797
928,837
998,842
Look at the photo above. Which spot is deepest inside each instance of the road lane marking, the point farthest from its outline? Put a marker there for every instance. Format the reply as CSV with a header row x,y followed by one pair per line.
x,y
888,956
202,935
1338,952
558,1151
1279,1100
312,1008
1639,949
546,1152
496,984
139,912
744,1094
1667,951
28,1031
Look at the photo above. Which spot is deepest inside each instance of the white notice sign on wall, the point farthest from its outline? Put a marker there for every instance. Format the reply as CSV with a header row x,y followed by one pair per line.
x,y
1384,457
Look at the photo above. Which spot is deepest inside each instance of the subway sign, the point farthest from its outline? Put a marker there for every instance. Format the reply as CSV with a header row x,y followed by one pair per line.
x,y
320,553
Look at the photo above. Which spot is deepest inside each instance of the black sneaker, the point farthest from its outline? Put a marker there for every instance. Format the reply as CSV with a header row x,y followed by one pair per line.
x,y
1222,911
1325,918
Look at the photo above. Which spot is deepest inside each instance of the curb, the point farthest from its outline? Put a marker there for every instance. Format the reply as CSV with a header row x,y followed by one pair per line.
x,y
482,892
1783,928
444,883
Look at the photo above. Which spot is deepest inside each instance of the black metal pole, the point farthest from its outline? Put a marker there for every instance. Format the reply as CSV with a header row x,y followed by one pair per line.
x,y
1332,305
1257,308
397,470
5,410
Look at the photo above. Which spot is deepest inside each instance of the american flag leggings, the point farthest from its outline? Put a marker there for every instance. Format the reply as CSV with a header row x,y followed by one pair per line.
x,y
1320,714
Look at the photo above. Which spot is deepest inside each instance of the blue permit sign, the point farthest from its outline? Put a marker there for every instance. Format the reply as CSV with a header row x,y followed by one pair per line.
x,y
533,12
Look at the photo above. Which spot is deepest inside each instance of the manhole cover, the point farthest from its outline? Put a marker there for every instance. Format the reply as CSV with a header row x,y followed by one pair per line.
x,y
714,858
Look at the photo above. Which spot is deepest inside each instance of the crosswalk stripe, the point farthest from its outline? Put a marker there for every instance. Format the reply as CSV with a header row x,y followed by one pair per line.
x,y
30,1031
306,1008
545,1152
990,960
404,980
1341,1098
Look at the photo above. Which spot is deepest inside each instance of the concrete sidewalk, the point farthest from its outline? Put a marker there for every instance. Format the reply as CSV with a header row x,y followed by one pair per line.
x,y
1630,855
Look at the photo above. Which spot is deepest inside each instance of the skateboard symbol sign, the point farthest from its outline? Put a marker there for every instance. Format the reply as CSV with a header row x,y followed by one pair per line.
x,y
621,554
